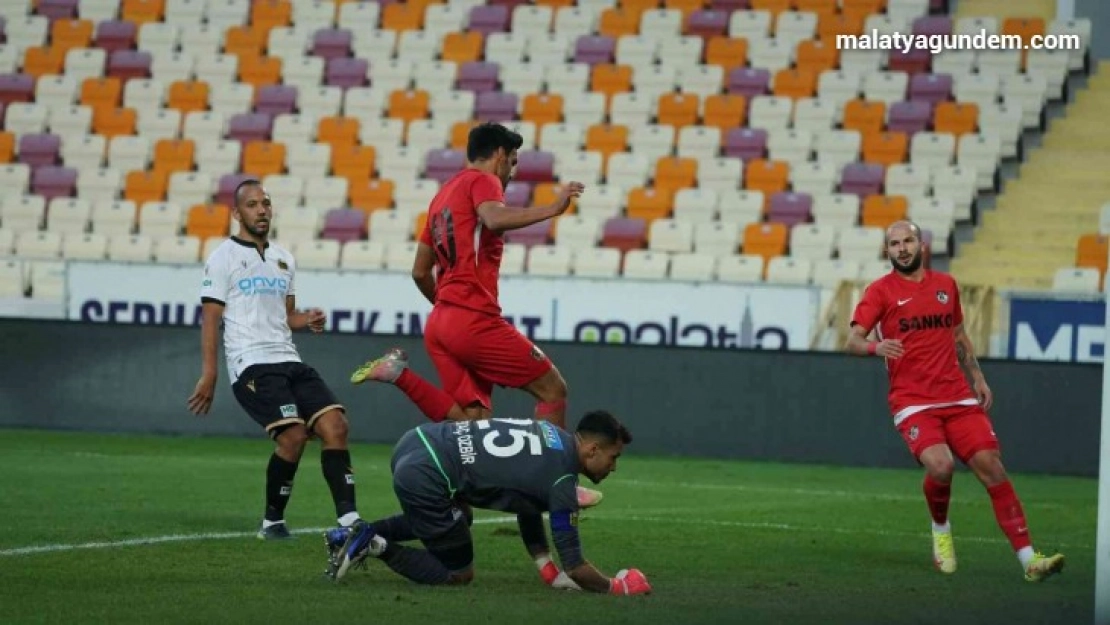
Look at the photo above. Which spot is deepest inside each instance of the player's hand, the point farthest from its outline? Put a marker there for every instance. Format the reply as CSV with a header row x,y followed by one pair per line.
x,y
563,581
201,399
316,320
629,582
890,348
983,393
569,191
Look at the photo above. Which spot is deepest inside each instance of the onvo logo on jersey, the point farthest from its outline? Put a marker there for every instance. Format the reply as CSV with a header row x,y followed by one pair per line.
x,y
674,331
262,285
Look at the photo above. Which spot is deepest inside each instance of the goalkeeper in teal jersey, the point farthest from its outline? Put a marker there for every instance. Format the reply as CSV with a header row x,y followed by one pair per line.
x,y
518,466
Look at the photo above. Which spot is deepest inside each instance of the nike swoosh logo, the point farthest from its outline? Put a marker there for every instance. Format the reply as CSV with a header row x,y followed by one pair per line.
x,y
903,302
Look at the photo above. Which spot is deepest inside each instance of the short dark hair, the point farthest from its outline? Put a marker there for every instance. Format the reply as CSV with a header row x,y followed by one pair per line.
x,y
485,139
602,425
249,182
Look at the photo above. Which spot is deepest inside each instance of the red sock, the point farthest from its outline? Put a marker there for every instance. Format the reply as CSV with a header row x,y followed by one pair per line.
x,y
434,403
1011,518
937,495
552,411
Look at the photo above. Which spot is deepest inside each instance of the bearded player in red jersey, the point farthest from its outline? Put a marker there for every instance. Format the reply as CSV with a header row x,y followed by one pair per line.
x,y
457,267
918,319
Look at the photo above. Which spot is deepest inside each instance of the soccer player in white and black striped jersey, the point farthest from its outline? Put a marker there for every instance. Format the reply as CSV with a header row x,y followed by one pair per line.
x,y
249,286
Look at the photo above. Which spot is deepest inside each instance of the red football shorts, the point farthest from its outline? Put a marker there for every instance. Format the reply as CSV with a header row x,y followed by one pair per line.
x,y
472,351
965,429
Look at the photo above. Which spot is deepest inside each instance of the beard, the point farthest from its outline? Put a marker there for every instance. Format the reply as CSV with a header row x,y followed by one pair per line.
x,y
255,231
912,266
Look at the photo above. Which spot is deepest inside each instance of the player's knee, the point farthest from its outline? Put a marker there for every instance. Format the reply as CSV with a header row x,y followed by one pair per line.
x,y
332,428
941,469
988,467
291,442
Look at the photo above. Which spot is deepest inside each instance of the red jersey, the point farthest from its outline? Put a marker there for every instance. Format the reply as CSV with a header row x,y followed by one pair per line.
x,y
924,316
468,256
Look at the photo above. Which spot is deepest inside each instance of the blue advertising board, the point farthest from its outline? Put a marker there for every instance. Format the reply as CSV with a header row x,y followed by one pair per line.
x,y
1069,330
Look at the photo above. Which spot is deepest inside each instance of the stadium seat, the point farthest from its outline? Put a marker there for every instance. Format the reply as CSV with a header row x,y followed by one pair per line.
x,y
1092,252
318,254
84,246
136,248
180,250
344,225
740,268
549,260
1076,280
789,270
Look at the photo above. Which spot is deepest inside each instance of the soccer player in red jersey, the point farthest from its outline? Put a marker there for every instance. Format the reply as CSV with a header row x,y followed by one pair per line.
x,y
457,266
918,320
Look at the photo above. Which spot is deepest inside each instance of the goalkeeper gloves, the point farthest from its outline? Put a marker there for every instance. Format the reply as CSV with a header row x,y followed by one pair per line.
x,y
629,582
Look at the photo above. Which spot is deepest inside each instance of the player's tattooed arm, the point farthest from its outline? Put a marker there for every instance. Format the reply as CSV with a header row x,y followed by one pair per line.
x,y
965,353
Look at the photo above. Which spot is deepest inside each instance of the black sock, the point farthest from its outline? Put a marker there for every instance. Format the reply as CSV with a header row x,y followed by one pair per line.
x,y
394,529
340,477
532,532
415,564
279,486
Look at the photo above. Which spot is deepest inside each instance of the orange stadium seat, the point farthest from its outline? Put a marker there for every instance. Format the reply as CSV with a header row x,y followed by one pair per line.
x,y
885,148
1092,251
142,11
402,17
542,108
607,139
7,147
673,173
264,158
649,203
173,155
882,210
68,34
767,176
726,52
408,104
615,22
208,220
774,7
268,14
766,239
260,71
794,83
338,131
725,111
462,47
864,116
353,162
101,93
611,79
860,9
555,4
114,121
188,96
1024,27
686,6
957,118
545,193
828,27
678,109
418,224
145,186
820,7
41,61
460,134
244,42
638,5
817,56
371,195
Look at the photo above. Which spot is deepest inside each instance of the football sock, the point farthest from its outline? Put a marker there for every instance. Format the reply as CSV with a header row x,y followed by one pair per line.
x,y
552,411
415,564
336,464
434,403
937,495
394,529
532,532
279,487
1010,516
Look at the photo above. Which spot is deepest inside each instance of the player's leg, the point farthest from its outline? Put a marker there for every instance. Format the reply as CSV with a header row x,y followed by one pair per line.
x,y
327,419
264,393
925,437
393,368
974,441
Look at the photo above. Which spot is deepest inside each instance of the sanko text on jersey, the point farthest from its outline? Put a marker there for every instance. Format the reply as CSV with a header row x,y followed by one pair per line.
x,y
927,322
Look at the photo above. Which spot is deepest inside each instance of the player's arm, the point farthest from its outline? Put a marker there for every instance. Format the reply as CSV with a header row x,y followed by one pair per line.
x,y
212,312
312,318
498,217
564,533
965,353
423,267
866,316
